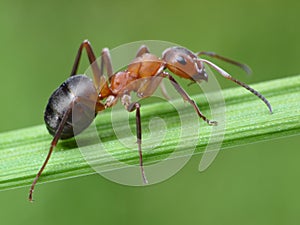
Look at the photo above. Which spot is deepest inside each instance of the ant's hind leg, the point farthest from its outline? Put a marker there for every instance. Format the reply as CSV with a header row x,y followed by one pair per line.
x,y
90,53
142,50
52,146
101,82
106,62
92,59
97,72
186,97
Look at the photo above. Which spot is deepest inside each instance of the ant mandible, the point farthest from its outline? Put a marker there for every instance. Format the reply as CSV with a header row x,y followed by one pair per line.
x,y
80,93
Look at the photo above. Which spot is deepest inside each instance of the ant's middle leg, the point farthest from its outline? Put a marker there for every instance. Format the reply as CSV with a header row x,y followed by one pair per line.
x,y
130,107
143,50
187,98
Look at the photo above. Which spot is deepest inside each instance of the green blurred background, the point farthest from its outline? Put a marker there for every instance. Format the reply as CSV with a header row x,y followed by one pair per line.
x,y
254,184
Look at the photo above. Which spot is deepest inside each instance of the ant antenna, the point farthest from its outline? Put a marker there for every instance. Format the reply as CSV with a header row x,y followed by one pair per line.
x,y
229,77
244,67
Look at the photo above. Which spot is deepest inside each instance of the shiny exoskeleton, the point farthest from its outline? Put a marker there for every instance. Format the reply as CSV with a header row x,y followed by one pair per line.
x,y
143,75
72,92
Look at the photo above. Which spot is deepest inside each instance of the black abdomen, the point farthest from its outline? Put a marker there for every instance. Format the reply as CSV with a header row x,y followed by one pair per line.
x,y
80,91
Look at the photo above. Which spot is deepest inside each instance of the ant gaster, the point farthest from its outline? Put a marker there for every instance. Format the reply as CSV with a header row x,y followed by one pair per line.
x,y
80,93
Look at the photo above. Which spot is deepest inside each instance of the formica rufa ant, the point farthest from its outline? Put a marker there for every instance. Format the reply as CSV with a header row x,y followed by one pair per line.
x,y
89,97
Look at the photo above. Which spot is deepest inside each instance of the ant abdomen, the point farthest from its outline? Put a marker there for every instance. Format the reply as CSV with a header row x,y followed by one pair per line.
x,y
77,95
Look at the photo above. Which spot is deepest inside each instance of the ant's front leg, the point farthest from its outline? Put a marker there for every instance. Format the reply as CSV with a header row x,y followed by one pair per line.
x,y
130,107
187,98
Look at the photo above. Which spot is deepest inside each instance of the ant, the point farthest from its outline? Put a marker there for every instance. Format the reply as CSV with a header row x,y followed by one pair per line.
x,y
80,93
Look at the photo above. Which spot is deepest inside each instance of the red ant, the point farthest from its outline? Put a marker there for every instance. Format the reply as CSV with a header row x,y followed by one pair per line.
x,y
80,93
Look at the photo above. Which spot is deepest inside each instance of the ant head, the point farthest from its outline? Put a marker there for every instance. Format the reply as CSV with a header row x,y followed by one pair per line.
x,y
184,63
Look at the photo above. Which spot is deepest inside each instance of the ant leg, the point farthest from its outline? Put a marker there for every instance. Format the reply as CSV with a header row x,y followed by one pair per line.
x,y
246,68
97,72
229,77
186,97
106,62
136,106
164,91
92,59
130,107
142,50
101,82
90,53
53,144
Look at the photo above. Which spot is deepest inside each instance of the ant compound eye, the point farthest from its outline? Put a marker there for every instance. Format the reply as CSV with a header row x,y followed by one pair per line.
x,y
181,60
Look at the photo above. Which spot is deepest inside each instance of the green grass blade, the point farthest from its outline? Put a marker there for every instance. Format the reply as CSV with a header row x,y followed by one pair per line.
x,y
22,152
